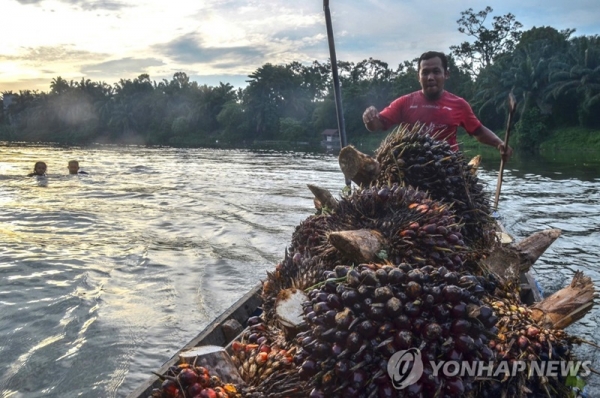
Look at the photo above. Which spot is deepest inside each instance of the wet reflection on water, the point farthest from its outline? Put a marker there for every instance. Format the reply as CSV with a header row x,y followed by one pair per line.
x,y
104,276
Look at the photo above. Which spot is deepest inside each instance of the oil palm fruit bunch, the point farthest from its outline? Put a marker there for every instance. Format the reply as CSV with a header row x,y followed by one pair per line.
x,y
265,362
186,380
310,236
416,229
518,338
256,362
376,310
297,270
409,156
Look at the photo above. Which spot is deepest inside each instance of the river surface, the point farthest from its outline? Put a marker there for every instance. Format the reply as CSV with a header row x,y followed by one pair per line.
x,y
103,277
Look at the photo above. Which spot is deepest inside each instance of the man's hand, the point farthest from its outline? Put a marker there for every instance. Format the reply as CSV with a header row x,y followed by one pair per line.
x,y
505,152
487,137
371,119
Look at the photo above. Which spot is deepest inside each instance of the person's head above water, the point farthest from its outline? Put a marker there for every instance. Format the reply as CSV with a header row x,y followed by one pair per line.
x,y
73,166
39,169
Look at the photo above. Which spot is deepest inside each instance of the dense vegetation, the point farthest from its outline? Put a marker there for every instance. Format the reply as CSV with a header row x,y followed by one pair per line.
x,y
555,77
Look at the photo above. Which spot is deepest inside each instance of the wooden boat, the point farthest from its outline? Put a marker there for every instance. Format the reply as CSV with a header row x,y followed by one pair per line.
x,y
214,334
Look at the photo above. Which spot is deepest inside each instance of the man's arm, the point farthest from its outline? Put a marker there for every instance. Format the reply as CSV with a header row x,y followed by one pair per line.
x,y
371,119
487,137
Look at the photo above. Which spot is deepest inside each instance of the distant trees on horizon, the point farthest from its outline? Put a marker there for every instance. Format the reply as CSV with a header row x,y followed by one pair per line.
x,y
555,77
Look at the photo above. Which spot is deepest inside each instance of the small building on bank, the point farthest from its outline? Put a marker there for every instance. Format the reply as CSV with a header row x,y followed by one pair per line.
x,y
330,139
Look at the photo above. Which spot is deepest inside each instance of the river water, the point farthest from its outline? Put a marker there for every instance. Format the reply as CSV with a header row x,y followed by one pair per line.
x,y
103,277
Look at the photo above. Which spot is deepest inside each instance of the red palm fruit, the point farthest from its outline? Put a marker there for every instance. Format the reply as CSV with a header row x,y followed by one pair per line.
x,y
459,310
455,387
208,393
429,228
249,347
523,342
187,377
460,326
408,233
403,340
170,388
393,307
432,331
452,293
464,343
532,331
194,390
204,379
422,208
237,346
413,289
261,358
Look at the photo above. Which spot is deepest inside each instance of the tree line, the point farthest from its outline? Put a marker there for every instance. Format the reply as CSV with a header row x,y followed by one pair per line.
x,y
554,75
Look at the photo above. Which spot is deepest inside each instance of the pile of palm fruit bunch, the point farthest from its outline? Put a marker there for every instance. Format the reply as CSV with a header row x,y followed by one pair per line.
x,y
389,267
418,292
411,157
188,380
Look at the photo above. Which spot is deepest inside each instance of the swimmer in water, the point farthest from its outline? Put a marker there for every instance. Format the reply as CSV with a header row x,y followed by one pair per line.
x,y
39,169
74,167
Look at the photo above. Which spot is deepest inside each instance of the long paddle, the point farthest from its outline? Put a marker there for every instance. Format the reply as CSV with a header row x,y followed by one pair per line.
x,y
512,105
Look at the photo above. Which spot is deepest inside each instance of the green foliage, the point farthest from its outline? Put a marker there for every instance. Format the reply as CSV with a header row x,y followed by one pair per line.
x,y
489,43
531,130
180,126
291,130
234,122
573,138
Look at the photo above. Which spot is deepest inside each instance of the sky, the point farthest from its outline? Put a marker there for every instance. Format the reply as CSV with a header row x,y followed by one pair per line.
x,y
215,41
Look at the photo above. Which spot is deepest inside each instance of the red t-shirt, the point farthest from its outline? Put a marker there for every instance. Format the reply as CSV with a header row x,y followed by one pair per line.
x,y
444,115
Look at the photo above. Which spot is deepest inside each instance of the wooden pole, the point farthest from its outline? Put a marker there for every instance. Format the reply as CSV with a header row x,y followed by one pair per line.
x,y
512,105
336,80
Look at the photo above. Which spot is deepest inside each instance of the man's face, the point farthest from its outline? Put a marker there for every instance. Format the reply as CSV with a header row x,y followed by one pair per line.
x,y
432,77
73,168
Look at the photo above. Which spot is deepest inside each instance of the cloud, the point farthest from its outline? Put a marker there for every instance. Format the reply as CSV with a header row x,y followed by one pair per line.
x,y
41,56
40,84
85,4
120,67
189,49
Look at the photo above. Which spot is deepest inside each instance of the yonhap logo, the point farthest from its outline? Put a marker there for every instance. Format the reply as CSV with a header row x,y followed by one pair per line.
x,y
405,368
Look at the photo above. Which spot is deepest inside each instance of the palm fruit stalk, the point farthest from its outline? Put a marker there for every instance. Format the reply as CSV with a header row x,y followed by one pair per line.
x,y
412,157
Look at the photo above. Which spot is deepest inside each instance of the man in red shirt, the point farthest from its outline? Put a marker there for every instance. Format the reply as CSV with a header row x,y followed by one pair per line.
x,y
433,106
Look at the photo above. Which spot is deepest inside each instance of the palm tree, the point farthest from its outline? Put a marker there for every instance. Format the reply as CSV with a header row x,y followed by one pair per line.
x,y
577,76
